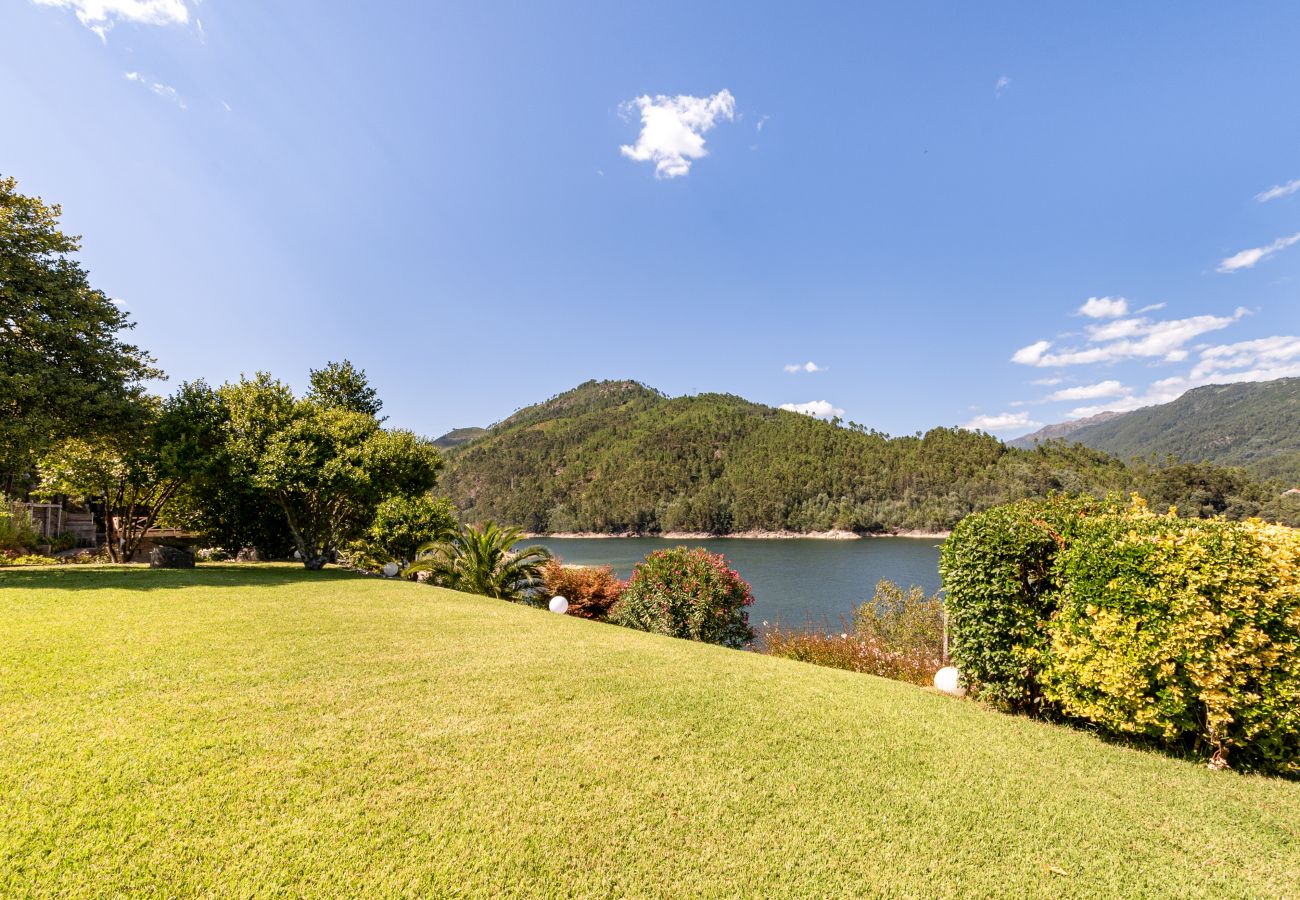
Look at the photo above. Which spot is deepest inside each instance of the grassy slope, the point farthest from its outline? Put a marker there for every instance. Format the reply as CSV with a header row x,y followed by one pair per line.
x,y
256,730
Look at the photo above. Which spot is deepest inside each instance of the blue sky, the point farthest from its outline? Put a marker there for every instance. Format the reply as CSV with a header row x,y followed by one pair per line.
x,y
985,214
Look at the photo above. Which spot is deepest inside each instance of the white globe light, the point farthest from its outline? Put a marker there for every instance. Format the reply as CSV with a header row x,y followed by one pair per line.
x,y
948,680
559,605
390,570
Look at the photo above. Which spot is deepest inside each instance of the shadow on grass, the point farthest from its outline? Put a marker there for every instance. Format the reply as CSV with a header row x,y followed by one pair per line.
x,y
142,578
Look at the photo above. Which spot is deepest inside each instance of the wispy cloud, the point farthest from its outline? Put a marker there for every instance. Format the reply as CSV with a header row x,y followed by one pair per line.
x,y
673,128
1248,258
1002,422
101,15
1110,388
166,91
809,366
1046,382
1002,84
1279,190
820,409
1263,359
1135,338
758,126
1104,307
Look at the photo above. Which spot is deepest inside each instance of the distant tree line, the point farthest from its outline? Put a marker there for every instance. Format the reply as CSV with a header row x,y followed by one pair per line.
x,y
617,456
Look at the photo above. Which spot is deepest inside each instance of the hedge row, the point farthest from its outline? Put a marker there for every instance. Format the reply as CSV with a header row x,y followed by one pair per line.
x,y
1185,632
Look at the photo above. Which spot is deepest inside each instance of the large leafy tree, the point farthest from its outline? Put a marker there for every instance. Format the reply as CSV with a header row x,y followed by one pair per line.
x,y
65,372
484,561
133,472
328,468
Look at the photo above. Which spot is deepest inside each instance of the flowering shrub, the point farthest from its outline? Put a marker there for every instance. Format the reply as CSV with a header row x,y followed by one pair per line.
x,y
13,558
590,590
689,594
897,634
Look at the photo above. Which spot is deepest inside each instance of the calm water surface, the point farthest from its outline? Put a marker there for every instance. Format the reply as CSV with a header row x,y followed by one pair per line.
x,y
794,581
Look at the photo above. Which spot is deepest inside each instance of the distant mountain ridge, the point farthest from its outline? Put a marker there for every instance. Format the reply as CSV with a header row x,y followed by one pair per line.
x,y
1061,430
1255,425
618,456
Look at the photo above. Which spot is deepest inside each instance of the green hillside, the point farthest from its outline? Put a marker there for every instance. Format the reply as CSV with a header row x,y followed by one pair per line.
x,y
239,731
1255,425
616,456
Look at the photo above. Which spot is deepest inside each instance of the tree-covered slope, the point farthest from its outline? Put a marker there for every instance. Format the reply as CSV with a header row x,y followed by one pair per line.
x,y
1255,425
617,456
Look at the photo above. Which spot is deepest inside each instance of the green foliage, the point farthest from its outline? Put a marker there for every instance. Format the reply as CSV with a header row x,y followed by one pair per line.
x,y
404,524
483,561
341,385
897,634
1185,633
16,531
590,590
687,593
328,468
64,370
617,456
1255,425
998,579
26,559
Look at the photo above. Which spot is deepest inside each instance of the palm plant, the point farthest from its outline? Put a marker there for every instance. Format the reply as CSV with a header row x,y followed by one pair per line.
x,y
482,561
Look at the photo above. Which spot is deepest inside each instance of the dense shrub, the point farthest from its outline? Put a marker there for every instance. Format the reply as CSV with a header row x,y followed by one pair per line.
x,y
689,594
997,575
1179,631
12,558
590,590
16,531
1187,633
402,525
897,634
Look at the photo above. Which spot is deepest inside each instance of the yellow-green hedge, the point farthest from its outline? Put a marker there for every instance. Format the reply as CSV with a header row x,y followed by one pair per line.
x,y
1182,631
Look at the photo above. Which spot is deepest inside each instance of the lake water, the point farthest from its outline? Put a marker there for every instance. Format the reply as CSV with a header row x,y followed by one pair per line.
x,y
794,581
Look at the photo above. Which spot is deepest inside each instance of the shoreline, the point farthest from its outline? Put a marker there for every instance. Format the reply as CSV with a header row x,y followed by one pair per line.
x,y
753,535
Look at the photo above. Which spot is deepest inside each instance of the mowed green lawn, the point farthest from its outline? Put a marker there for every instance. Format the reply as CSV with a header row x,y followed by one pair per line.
x,y
239,731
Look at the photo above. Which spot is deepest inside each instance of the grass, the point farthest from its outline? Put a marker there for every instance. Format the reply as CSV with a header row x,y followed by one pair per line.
x,y
237,731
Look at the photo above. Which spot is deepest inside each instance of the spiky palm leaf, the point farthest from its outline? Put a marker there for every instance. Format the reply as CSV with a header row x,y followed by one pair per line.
x,y
482,561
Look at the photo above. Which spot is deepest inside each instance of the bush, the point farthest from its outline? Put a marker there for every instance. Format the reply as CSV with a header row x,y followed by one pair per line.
x,y
689,594
590,590
403,525
26,559
998,579
897,634
1183,632
16,531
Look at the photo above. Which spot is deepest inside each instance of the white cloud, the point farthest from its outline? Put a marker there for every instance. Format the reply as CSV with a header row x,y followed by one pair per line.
x,y
809,366
1278,190
819,409
1007,421
101,15
1263,359
672,129
1248,258
1046,382
1138,338
1151,308
761,122
1104,307
1091,391
1003,83
166,91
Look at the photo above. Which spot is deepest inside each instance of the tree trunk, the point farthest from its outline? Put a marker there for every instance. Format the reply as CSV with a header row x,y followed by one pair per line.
x,y
314,563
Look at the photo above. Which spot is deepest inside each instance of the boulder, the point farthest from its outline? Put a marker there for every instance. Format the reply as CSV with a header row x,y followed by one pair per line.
x,y
170,558
250,554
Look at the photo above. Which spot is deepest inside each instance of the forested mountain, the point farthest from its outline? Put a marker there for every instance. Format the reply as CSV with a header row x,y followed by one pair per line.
x,y
618,456
1255,425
